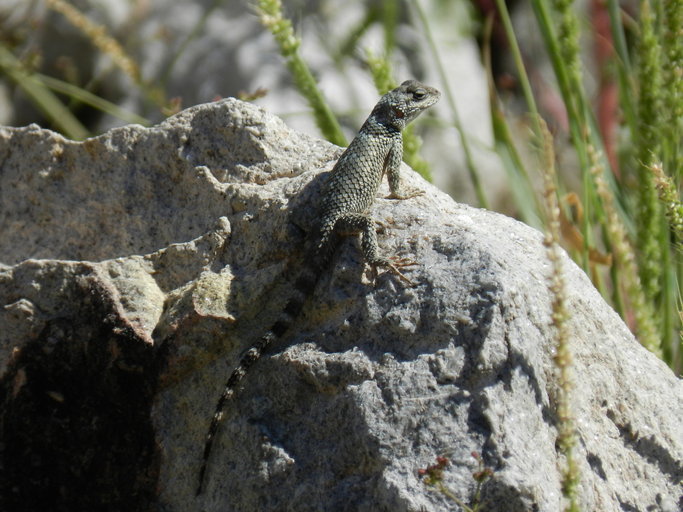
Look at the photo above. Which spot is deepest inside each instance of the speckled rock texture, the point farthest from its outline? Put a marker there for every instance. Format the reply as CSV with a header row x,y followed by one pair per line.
x,y
137,266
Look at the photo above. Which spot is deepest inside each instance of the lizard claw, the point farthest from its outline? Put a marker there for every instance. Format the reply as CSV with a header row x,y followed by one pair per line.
x,y
403,262
398,273
381,227
393,265
406,194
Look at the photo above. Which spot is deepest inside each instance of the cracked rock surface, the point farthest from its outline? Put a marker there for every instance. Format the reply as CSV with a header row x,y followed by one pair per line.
x,y
137,266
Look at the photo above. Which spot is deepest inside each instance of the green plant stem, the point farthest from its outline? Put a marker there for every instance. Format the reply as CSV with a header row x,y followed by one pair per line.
x,y
577,126
43,98
270,13
469,160
560,315
92,99
197,30
519,65
672,48
447,492
520,182
624,69
648,145
389,16
624,256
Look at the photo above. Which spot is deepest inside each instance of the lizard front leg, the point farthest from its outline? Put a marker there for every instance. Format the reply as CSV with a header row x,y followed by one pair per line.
x,y
392,166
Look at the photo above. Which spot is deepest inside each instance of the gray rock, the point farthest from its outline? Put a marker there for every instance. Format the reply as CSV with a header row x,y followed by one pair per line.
x,y
138,265
196,60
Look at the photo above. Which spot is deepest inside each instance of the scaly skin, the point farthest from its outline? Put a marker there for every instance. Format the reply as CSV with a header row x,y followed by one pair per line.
x,y
347,196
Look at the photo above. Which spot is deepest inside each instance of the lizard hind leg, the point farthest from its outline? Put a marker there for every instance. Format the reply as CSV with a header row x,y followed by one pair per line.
x,y
352,223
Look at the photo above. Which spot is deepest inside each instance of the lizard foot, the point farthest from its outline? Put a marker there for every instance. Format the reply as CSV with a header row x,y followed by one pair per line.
x,y
406,194
393,265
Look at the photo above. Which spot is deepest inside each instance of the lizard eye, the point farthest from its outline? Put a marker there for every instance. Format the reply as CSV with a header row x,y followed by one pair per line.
x,y
418,94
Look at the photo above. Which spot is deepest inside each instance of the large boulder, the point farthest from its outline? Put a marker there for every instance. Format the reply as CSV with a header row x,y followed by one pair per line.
x,y
137,266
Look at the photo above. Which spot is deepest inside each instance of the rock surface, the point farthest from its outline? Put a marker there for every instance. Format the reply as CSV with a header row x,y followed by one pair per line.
x,y
196,59
138,265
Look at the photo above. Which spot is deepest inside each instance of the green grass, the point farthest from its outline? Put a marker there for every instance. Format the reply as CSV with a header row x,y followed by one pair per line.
x,y
41,96
626,214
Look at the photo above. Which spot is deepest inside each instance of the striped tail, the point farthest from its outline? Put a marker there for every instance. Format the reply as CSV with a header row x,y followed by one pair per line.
x,y
303,288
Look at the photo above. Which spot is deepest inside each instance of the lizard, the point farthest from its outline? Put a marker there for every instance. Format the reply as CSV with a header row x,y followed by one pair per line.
x,y
347,196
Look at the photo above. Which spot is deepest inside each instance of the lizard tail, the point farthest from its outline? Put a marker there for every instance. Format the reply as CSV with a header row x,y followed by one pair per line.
x,y
303,288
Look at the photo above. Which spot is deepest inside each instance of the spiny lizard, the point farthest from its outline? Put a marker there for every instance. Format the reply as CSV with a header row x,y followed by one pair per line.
x,y
347,196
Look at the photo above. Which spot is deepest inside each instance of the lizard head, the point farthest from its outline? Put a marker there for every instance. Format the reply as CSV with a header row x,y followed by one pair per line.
x,y
400,106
